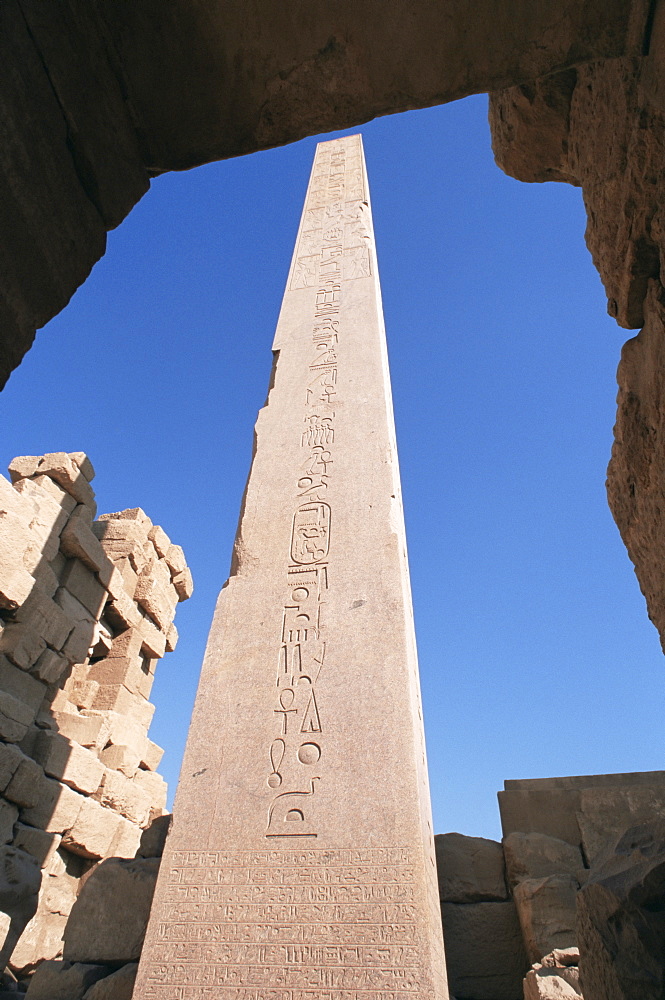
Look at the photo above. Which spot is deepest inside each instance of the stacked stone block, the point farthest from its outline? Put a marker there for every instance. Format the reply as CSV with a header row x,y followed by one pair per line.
x,y
86,611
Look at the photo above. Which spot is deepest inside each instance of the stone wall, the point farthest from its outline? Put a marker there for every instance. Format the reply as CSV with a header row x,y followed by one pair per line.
x,y
86,612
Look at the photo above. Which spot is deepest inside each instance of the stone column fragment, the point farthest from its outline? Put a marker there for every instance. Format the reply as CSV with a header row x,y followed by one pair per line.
x,y
301,862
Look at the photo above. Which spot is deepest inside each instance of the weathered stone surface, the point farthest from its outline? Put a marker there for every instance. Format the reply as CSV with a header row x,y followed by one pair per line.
x,y
25,784
63,980
123,795
71,763
84,586
110,915
606,814
535,855
484,951
8,817
57,807
93,832
154,836
118,986
621,922
40,844
548,984
546,909
470,869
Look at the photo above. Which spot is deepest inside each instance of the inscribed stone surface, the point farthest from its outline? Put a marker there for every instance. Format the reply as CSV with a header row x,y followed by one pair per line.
x,y
300,865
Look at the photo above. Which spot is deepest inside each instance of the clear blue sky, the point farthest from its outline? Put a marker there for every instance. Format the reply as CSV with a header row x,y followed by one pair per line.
x,y
537,657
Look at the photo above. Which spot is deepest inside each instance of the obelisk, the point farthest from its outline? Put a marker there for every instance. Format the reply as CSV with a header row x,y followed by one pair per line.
x,y
300,865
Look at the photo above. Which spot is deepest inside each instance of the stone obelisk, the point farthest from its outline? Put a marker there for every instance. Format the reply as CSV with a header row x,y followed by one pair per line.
x,y
300,865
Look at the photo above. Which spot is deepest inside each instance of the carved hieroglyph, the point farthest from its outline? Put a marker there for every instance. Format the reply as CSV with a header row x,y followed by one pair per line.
x,y
301,861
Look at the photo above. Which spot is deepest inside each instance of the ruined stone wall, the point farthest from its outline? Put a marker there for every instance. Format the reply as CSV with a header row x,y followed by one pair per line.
x,y
86,612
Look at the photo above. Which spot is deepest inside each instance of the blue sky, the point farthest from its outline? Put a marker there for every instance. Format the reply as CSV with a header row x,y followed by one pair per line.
x,y
537,657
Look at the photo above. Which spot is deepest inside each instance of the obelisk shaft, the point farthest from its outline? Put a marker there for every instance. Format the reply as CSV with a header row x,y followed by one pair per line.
x,y
301,862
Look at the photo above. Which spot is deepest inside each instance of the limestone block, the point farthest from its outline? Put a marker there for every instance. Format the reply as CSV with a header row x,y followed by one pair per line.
x,y
94,831
606,813
123,795
50,666
84,586
171,638
22,643
118,986
21,685
55,980
119,758
184,585
23,789
151,756
10,758
154,786
57,807
484,951
91,732
84,464
548,984
40,844
8,817
160,540
175,557
68,761
546,909
110,915
535,855
470,869
154,837
78,542
79,642
126,841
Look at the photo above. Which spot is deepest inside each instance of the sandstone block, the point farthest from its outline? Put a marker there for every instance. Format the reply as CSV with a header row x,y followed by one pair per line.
x,y
175,557
10,758
94,831
548,984
110,915
40,941
57,807
60,467
484,951
154,640
40,844
133,514
159,602
123,731
151,756
118,986
79,642
117,698
16,584
171,638
46,579
134,673
124,796
116,585
154,786
54,980
22,643
546,909
126,841
620,921
41,488
45,617
71,763
50,666
84,586
21,685
535,855
23,466
23,789
184,585
123,612
83,693
72,607
154,837
160,540
89,732
78,542
605,814
8,817
119,758
470,869
84,464
15,717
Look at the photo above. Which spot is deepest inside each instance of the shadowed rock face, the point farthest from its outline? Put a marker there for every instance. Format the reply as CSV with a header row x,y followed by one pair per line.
x,y
99,95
